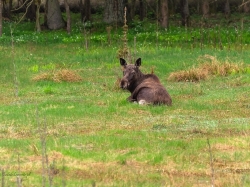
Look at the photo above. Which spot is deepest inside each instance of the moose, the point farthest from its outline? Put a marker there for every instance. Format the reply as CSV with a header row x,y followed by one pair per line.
x,y
144,88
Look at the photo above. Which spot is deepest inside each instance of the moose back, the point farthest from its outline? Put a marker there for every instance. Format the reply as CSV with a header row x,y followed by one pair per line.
x,y
144,88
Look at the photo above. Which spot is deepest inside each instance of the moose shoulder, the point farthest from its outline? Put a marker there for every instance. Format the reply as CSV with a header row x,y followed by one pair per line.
x,y
144,88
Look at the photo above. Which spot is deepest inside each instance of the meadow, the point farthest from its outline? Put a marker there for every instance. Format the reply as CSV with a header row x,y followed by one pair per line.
x,y
64,121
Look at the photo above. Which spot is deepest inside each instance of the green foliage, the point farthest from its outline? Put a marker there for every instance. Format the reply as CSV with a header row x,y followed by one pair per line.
x,y
95,137
215,35
48,90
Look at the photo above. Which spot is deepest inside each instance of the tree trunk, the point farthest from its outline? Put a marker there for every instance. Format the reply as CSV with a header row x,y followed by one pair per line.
x,y
213,7
87,10
132,9
246,8
184,13
172,6
6,12
205,9
68,16
142,10
164,14
45,13
10,8
81,11
227,10
38,4
113,12
198,7
54,15
1,17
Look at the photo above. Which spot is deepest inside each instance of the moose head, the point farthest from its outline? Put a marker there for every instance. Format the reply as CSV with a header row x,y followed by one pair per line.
x,y
131,73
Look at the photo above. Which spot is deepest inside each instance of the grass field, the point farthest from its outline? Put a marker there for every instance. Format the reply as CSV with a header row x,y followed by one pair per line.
x,y
85,133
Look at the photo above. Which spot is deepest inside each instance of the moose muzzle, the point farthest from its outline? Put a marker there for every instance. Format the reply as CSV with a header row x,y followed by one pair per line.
x,y
124,84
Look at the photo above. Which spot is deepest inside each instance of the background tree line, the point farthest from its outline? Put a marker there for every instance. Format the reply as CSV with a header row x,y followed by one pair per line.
x,y
113,10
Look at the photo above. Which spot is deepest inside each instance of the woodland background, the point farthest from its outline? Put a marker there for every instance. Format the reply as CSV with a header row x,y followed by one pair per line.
x,y
48,14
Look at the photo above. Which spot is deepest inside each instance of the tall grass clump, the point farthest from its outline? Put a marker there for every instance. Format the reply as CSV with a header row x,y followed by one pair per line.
x,y
124,51
209,66
62,75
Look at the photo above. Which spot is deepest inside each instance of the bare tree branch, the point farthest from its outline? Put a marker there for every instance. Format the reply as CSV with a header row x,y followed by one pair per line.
x,y
244,3
29,4
20,6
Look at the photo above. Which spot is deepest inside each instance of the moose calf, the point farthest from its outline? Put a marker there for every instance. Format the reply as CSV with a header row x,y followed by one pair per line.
x,y
144,88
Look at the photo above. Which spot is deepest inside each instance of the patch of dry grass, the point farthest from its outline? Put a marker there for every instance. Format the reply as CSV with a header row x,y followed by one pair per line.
x,y
209,65
133,171
192,75
62,75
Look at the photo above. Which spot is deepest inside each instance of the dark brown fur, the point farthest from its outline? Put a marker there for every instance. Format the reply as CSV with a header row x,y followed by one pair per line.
x,y
144,88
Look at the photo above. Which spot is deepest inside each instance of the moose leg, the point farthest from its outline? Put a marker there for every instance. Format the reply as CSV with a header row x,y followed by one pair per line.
x,y
130,99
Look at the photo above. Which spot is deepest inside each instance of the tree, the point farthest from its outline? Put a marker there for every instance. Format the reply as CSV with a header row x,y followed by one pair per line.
x,y
164,14
184,13
6,9
30,10
142,10
227,10
246,7
1,17
38,4
113,12
45,13
68,16
132,9
172,6
85,10
54,15
205,9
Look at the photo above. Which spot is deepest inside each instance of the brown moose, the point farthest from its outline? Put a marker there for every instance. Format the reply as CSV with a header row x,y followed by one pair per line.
x,y
144,88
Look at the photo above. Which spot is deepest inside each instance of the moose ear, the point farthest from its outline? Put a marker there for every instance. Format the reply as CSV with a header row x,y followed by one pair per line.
x,y
138,62
123,62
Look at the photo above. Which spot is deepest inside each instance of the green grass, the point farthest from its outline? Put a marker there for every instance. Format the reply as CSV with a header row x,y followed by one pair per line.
x,y
95,137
